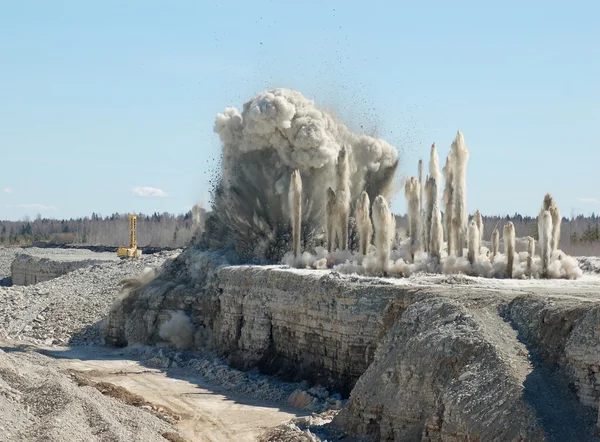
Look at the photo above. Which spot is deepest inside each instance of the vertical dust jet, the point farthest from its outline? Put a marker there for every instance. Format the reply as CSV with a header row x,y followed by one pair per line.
x,y
437,231
545,238
460,157
343,197
550,205
509,247
384,224
330,219
421,201
295,201
363,222
435,176
495,243
429,201
474,244
530,255
448,198
556,224
479,221
434,165
412,192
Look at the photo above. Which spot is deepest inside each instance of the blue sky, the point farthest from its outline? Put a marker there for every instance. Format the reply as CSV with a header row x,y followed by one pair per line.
x,y
99,98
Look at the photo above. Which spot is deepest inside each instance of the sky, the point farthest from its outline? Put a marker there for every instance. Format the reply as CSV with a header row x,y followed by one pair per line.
x,y
109,106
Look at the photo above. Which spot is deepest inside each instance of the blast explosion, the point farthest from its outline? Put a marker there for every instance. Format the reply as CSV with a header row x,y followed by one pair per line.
x,y
282,141
295,202
363,223
279,131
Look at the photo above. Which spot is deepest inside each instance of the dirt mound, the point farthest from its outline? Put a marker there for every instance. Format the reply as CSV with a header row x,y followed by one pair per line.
x,y
39,403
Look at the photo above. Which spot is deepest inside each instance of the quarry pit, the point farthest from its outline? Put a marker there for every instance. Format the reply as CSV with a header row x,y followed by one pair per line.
x,y
430,357
301,297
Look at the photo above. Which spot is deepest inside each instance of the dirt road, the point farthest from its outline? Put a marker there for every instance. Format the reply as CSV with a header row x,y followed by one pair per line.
x,y
207,413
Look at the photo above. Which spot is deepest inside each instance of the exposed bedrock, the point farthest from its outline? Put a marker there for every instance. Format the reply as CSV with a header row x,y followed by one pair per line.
x,y
38,265
440,374
563,337
301,325
430,358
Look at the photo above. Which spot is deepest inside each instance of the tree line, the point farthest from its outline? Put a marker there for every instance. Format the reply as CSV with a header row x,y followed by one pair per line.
x,y
580,235
156,230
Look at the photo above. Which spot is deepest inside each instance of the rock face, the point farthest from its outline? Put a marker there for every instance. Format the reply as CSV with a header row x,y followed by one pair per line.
x,y
40,265
300,325
438,375
68,309
430,358
564,337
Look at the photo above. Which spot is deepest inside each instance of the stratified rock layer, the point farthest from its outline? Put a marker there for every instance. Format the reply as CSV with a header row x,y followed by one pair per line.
x,y
39,265
430,358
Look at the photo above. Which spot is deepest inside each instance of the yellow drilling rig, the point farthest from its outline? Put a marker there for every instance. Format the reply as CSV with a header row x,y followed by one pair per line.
x,y
132,251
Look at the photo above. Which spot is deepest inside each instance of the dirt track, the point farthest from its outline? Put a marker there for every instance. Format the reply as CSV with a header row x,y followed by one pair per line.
x,y
207,413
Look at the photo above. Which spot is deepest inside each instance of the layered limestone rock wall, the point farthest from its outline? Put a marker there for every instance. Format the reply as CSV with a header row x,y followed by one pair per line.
x,y
40,265
431,358
314,326
438,375
565,337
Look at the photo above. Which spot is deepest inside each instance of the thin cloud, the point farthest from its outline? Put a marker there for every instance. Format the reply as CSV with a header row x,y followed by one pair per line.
x,y
149,192
32,206
8,190
588,200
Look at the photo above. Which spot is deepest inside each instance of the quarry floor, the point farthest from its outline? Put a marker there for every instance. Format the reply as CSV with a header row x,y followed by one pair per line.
x,y
38,324
205,412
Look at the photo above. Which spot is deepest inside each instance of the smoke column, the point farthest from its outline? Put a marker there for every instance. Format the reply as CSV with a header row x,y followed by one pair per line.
x,y
495,243
556,224
276,132
530,255
295,201
479,221
448,198
412,192
437,231
343,197
474,244
545,236
363,222
509,247
428,214
434,165
460,156
548,202
384,231
550,205
330,219
421,202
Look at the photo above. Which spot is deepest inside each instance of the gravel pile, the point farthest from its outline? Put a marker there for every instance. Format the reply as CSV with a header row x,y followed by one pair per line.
x,y
305,429
67,310
7,256
66,255
39,403
250,383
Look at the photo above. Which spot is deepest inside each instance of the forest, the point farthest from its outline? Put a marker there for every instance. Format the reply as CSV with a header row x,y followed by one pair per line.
x,y
157,230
